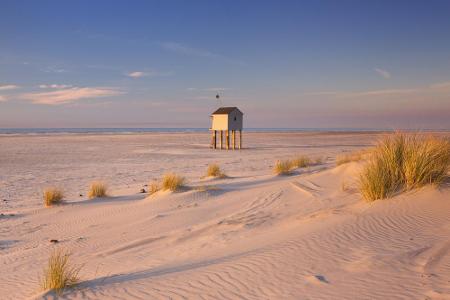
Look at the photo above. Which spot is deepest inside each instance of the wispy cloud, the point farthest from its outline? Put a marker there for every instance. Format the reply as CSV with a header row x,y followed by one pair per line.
x,y
191,51
324,93
348,94
136,74
381,92
441,85
3,98
152,73
70,95
383,73
55,86
54,69
7,87
213,98
211,89
440,88
187,50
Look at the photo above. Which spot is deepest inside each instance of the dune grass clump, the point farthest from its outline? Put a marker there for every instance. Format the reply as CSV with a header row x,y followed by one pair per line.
x,y
172,182
426,161
214,171
153,187
283,167
97,189
378,180
351,156
52,196
403,162
301,162
59,273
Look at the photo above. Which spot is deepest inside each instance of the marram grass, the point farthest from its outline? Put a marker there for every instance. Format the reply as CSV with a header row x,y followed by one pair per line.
x,y
172,182
59,273
214,171
351,156
301,162
403,162
426,162
52,196
283,167
97,189
153,187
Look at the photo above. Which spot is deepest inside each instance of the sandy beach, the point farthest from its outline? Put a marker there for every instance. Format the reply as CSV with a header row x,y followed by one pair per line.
x,y
225,150
251,235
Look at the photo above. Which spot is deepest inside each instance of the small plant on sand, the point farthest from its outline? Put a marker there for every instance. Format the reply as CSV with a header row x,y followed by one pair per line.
x,y
351,156
97,189
283,167
52,196
172,182
153,187
214,171
59,273
301,162
403,162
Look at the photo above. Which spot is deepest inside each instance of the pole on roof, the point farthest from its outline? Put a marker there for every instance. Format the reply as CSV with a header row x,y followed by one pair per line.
x,y
218,98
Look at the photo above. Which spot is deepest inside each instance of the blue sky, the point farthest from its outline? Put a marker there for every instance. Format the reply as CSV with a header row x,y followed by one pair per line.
x,y
383,64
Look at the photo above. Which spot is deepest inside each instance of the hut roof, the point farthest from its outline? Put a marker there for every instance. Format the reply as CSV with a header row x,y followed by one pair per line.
x,y
225,110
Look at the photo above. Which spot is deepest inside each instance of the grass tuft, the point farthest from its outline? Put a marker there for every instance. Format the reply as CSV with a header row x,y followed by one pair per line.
x,y
283,167
301,162
403,162
172,182
214,171
153,187
59,273
351,156
52,196
377,181
426,161
97,189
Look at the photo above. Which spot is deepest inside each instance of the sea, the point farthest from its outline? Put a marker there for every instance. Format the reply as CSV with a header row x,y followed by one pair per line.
x,y
39,131
165,130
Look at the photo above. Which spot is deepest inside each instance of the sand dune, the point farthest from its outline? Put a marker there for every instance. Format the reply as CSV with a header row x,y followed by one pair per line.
x,y
253,236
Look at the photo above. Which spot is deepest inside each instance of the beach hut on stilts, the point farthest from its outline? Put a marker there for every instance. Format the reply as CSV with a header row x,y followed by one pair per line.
x,y
226,120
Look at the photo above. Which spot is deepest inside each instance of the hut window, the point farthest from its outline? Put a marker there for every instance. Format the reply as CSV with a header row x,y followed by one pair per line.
x,y
235,118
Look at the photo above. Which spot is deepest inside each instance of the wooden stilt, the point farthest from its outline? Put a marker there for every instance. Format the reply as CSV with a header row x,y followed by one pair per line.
x,y
233,139
228,139
240,139
221,139
214,141
211,145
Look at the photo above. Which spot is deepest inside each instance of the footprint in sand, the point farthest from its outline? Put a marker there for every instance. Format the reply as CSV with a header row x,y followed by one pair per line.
x,y
307,187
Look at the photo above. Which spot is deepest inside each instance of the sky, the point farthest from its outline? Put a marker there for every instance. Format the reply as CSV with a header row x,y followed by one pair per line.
x,y
285,64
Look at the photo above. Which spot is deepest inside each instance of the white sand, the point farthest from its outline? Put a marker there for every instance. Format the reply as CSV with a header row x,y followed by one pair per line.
x,y
254,236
